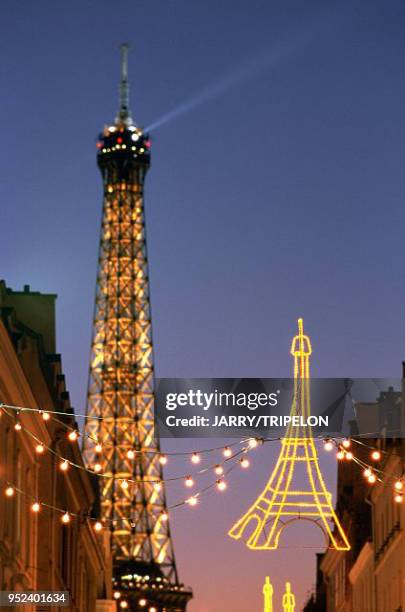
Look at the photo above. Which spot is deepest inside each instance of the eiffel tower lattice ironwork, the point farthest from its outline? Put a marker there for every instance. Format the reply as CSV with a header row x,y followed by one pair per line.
x,y
120,401
296,488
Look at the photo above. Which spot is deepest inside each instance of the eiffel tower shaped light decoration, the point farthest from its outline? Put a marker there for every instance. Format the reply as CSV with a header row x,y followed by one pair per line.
x,y
296,488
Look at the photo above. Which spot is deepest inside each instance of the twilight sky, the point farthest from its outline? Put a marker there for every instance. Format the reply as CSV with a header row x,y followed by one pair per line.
x,y
276,191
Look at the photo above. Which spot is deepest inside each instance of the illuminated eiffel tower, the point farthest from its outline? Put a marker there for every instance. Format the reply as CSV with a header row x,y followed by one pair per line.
x,y
296,488
119,430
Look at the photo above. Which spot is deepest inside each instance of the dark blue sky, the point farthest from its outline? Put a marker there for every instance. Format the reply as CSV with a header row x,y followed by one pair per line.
x,y
280,195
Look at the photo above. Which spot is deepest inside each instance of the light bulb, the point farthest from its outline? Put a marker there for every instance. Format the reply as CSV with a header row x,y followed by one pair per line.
x,y
376,455
65,518
192,501
9,491
253,443
46,416
98,448
328,445
227,452
130,454
163,459
219,470
64,465
142,602
349,456
346,443
195,458
164,516
117,594
157,486
367,472
17,426
125,484
40,448
97,467
35,507
124,605
244,462
98,526
399,485
372,478
189,482
340,455
221,485
73,436
398,498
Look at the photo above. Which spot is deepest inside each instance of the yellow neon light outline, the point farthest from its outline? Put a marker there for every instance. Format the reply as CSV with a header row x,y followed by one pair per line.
x,y
278,499
268,595
288,599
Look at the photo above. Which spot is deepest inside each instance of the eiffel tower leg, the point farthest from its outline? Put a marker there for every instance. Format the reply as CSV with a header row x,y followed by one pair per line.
x,y
262,511
341,542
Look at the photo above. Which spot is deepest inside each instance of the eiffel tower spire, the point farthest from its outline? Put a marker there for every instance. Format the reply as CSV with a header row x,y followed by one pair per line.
x,y
296,489
119,431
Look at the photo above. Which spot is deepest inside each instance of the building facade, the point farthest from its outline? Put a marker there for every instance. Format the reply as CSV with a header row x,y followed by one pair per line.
x,y
371,576
39,550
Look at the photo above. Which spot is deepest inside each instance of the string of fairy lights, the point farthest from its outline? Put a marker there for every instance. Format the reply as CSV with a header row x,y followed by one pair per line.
x,y
232,456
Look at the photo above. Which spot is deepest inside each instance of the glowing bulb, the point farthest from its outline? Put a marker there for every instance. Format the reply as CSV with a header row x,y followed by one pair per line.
x,y
399,485
189,482
164,516
97,467
346,443
340,455
64,465
130,454
46,416
219,470
17,426
163,459
65,518
398,498
195,458
349,456
227,452
124,604
117,594
98,526
142,602
35,507
152,609
367,472
328,445
221,485
135,137
98,448
253,443
124,484
157,486
192,501
372,478
376,455
9,491
244,462
39,448
73,436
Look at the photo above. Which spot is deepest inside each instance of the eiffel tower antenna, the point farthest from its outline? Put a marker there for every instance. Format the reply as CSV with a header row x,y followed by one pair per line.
x,y
296,489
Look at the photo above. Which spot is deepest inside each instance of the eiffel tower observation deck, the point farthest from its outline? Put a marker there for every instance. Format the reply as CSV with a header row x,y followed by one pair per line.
x,y
120,442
